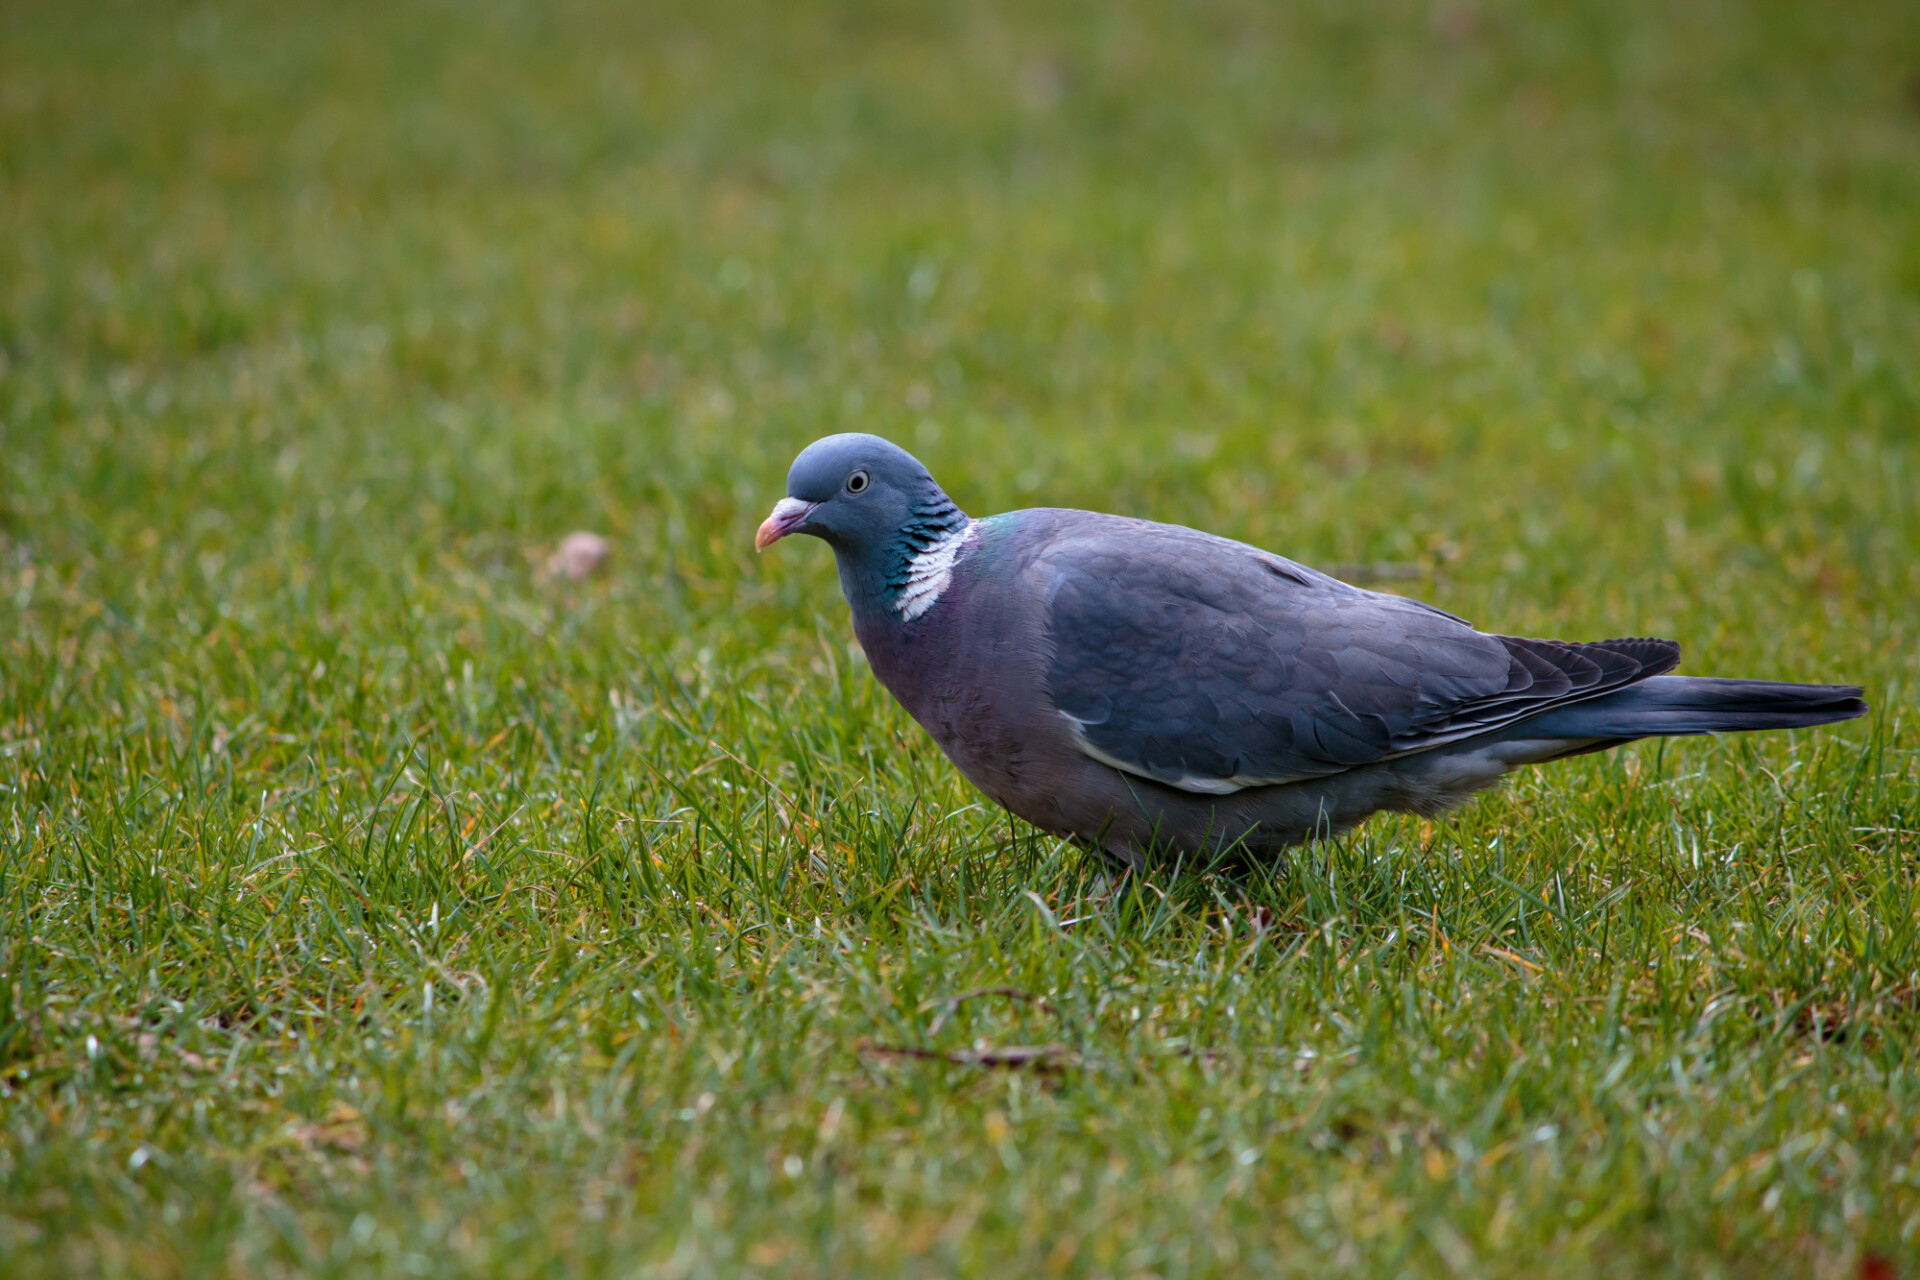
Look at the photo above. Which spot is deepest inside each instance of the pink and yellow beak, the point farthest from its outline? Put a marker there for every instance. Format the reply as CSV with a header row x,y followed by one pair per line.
x,y
788,514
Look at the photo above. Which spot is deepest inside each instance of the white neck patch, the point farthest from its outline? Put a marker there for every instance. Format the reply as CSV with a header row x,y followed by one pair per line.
x,y
929,573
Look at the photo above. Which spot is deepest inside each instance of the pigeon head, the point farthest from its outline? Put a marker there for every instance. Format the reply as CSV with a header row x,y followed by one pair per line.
x,y
876,506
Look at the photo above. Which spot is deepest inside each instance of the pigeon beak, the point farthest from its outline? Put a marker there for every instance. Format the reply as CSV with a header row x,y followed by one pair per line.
x,y
788,514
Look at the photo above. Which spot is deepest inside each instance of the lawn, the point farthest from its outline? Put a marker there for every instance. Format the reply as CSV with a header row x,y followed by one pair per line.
x,y
375,901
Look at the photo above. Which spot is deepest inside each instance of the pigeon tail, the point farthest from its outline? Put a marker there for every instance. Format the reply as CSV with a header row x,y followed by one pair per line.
x,y
1677,706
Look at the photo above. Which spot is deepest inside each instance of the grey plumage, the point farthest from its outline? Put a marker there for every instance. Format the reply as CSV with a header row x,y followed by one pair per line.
x,y
1135,686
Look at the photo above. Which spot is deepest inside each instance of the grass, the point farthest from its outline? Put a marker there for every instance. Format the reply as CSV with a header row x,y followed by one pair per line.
x,y
373,903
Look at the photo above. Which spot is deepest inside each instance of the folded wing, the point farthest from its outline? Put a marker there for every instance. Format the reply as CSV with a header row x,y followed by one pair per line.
x,y
1212,666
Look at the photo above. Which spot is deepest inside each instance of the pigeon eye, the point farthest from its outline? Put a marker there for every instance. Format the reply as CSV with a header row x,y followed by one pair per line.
x,y
858,482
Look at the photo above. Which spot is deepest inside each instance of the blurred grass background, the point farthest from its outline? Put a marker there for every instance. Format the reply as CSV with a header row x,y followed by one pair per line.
x,y
374,903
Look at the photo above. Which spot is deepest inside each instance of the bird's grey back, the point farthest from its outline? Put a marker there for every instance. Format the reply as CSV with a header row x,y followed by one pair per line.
x,y
1212,665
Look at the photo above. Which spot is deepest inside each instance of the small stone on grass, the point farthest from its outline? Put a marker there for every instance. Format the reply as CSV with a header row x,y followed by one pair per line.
x,y
580,556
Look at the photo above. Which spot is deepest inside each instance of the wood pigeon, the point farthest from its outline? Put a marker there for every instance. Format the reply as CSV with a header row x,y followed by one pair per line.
x,y
1143,688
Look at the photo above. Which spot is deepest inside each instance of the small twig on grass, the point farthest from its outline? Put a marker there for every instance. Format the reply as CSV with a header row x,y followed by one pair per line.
x,y
1041,1057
